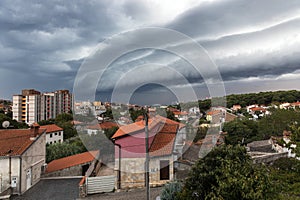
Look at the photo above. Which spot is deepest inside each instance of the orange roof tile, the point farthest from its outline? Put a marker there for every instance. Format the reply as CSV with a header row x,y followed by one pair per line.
x,y
214,112
108,125
71,161
258,109
163,142
51,128
140,125
16,141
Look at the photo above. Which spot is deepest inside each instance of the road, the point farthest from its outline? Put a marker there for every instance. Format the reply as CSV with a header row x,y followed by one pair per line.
x,y
136,194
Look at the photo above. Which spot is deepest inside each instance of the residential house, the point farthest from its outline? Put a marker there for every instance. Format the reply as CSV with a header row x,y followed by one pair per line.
x,y
194,110
96,128
181,115
22,157
54,134
166,141
236,107
75,165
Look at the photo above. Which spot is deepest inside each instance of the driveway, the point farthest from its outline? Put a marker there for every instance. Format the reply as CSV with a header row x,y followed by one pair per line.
x,y
52,189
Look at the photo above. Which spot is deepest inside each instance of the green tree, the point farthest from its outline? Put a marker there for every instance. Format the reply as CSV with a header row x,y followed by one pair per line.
x,y
240,130
60,150
228,173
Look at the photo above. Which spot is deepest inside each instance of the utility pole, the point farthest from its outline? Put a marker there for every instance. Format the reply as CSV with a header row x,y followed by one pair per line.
x,y
146,118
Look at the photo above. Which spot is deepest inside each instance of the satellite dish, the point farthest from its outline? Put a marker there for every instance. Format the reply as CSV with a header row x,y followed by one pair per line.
x,y
5,124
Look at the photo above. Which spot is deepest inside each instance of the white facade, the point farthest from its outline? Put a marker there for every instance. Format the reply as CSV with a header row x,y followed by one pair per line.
x,y
26,169
32,106
17,107
55,137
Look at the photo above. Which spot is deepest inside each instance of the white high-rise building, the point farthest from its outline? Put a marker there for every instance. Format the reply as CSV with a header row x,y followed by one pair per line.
x,y
32,106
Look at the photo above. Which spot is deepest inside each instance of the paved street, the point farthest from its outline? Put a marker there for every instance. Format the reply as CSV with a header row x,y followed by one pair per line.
x,y
61,189
136,194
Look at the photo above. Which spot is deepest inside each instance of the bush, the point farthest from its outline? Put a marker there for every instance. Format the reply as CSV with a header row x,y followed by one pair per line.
x,y
170,191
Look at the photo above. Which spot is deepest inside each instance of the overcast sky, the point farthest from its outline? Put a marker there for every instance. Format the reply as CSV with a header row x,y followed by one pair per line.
x,y
255,44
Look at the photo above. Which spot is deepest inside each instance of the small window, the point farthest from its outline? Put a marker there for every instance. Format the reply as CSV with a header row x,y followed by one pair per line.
x,y
59,141
54,141
59,133
50,142
50,135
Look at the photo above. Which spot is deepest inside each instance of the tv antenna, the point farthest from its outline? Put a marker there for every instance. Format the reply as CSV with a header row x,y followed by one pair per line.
x,y
5,124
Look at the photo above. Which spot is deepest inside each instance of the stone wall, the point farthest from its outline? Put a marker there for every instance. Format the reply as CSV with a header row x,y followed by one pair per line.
x,y
71,171
133,172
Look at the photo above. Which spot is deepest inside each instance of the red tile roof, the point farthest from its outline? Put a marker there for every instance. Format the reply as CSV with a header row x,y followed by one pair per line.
x,y
51,128
258,109
140,125
104,125
214,112
71,161
108,125
16,141
163,142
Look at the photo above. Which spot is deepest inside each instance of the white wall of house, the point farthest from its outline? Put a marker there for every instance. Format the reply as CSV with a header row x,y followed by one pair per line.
x,y
4,173
55,137
32,161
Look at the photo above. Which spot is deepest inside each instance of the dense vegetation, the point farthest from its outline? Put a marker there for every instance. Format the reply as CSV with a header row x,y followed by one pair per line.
x,y
227,172
271,125
262,98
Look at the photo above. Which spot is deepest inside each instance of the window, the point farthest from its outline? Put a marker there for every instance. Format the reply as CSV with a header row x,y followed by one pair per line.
x,y
54,141
59,141
55,133
59,133
50,135
164,170
50,142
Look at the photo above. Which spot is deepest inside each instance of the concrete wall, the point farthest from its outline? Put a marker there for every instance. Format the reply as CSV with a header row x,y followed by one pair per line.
x,y
71,171
269,157
32,160
4,172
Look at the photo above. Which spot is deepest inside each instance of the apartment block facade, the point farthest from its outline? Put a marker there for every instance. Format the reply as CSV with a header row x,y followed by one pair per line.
x,y
33,106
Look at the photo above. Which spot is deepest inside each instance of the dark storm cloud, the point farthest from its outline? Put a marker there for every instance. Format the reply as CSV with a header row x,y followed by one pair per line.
x,y
43,43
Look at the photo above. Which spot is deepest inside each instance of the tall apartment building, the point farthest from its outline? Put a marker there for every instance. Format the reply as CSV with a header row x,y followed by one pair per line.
x,y
32,106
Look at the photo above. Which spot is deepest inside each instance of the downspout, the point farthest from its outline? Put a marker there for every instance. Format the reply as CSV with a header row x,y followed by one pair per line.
x,y
20,176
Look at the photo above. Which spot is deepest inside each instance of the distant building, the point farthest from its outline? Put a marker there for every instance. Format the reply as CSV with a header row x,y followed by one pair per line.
x,y
33,106
54,134
22,157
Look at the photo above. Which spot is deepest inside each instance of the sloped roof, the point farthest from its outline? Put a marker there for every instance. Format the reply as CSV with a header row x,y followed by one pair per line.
x,y
16,141
71,161
163,142
140,125
51,128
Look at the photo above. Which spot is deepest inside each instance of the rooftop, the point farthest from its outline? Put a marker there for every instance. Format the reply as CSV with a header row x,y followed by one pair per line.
x,y
71,161
140,125
16,141
51,128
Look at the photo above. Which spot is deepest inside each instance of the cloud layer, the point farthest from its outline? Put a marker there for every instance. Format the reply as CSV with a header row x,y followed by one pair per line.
x,y
43,44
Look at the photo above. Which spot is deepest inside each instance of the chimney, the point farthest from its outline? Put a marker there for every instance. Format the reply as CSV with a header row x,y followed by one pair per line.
x,y
35,129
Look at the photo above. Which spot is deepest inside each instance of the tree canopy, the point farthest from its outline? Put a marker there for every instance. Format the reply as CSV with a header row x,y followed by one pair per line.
x,y
227,172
